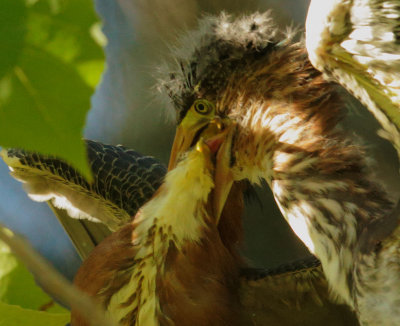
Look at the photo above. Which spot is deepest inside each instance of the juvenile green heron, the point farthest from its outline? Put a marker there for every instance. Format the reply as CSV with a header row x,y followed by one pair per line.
x,y
287,116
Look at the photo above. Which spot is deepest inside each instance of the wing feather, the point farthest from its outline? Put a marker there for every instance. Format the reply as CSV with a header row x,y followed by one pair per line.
x,y
123,181
294,294
357,44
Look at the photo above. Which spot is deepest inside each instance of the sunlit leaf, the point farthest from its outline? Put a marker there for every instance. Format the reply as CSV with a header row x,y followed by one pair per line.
x,y
12,33
50,63
17,316
18,287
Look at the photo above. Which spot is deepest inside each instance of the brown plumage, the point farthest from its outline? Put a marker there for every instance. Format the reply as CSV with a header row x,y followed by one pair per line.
x,y
288,134
152,272
287,116
200,283
292,295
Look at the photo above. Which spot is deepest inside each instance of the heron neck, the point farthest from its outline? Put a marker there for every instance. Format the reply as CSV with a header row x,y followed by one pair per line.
x,y
321,181
179,247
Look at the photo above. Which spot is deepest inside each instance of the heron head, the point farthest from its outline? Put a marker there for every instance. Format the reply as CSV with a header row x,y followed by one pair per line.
x,y
212,135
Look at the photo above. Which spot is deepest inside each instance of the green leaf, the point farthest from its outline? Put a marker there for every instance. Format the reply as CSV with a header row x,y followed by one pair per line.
x,y
18,287
17,316
12,33
50,61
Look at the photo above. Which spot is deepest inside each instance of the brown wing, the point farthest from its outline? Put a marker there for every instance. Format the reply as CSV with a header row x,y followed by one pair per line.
x,y
102,273
293,295
356,43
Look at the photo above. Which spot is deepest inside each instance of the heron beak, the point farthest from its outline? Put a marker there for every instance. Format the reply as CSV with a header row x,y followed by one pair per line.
x,y
217,134
184,138
188,132
223,177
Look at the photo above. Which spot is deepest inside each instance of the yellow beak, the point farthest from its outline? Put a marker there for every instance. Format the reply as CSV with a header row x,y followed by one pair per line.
x,y
184,137
217,135
223,177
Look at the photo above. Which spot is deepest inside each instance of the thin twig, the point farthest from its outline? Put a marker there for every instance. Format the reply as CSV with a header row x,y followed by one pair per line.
x,y
55,283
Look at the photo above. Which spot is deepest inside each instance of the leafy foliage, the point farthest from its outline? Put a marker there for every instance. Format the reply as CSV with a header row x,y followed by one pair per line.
x,y
49,64
22,302
17,316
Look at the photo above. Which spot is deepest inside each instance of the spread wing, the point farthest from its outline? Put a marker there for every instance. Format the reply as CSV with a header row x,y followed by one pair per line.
x,y
294,294
357,44
123,181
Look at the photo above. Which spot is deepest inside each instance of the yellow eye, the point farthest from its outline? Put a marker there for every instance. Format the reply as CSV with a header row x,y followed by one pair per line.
x,y
203,106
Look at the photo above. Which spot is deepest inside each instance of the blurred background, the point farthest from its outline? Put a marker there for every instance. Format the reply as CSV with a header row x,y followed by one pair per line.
x,y
124,111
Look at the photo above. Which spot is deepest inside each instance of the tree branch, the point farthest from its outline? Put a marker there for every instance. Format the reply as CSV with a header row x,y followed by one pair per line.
x,y
55,283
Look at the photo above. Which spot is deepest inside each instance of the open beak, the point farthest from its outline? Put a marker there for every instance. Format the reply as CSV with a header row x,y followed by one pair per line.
x,y
217,133
185,136
223,177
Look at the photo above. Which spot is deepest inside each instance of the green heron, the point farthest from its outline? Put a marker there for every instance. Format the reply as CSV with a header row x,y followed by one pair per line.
x,y
147,273
288,134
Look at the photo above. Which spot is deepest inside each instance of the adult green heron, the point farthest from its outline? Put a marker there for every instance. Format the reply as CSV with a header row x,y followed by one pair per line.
x,y
287,116
148,272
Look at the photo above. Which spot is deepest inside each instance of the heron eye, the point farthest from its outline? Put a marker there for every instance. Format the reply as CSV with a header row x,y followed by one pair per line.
x,y
203,106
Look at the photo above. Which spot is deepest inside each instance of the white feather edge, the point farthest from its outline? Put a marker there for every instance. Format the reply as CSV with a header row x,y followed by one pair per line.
x,y
361,31
78,202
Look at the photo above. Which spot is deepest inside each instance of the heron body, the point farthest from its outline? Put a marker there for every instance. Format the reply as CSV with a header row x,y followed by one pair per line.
x,y
169,266
288,134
